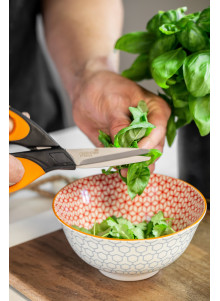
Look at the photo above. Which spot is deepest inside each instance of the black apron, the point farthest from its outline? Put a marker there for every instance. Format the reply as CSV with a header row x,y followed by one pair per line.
x,y
30,83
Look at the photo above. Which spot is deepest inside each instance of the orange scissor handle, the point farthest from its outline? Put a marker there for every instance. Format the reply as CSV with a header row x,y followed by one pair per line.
x,y
21,127
32,172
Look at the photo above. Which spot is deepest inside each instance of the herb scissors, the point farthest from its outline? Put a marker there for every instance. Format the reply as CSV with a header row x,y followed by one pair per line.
x,y
45,154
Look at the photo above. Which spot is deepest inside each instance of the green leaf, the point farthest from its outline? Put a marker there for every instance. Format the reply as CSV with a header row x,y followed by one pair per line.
x,y
193,38
169,29
123,221
82,229
142,225
170,16
142,106
139,70
105,139
109,171
138,233
173,15
166,65
196,72
200,109
137,178
154,154
119,227
171,130
122,231
126,136
179,94
159,230
157,218
204,20
182,22
135,42
183,115
148,232
162,45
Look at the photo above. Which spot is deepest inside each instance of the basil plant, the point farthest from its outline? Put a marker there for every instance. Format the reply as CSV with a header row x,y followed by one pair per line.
x,y
174,50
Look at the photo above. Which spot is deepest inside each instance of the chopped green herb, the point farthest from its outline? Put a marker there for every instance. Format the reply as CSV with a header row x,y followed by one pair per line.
x,y
120,227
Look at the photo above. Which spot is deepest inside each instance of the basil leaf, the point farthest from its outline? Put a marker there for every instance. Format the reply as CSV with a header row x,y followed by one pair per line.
x,y
171,130
196,72
166,65
154,23
105,139
157,218
137,178
200,109
138,233
135,42
139,70
142,106
173,15
183,115
126,136
193,38
163,44
182,22
170,16
169,29
154,154
159,230
179,94
204,20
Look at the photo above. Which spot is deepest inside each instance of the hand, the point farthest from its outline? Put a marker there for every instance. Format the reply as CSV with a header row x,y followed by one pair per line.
x,y
16,169
102,100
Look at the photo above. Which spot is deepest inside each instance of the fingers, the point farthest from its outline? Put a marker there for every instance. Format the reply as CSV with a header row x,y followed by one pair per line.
x,y
16,170
11,122
11,125
156,139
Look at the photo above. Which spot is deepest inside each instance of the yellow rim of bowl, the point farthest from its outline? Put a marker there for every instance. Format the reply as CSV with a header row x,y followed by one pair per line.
x,y
122,239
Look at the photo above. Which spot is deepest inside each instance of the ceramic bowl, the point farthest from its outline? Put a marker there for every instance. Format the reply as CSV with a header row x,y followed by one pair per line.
x,y
97,197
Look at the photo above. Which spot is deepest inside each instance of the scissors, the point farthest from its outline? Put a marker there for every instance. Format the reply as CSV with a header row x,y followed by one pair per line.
x,y
45,154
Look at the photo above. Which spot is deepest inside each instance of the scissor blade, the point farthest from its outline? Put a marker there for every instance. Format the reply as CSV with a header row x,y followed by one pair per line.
x,y
104,157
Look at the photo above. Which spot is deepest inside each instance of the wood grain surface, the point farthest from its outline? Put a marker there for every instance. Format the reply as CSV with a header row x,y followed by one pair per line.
x,y
47,268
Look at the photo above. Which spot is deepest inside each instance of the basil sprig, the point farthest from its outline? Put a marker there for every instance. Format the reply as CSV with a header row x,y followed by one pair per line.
x,y
175,51
138,173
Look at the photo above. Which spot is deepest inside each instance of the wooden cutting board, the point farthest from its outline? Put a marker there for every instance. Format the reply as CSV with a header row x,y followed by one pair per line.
x,y
47,268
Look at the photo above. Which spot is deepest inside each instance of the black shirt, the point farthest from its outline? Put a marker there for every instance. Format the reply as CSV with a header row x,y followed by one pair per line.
x,y
31,86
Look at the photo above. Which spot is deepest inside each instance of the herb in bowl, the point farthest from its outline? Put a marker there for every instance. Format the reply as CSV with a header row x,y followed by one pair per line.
x,y
138,173
121,228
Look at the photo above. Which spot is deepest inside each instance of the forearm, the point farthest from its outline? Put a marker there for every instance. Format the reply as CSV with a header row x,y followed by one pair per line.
x,y
81,34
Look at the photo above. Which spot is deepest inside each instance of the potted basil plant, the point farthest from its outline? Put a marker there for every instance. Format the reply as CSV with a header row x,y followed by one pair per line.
x,y
174,50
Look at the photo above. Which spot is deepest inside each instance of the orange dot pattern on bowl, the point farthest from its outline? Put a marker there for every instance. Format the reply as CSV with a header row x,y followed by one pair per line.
x,y
95,198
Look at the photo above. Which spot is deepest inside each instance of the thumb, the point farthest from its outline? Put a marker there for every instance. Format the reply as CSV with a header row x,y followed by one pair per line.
x,y
16,170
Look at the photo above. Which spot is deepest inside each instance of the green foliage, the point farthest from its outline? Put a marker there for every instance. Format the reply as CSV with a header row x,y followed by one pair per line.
x,y
138,173
196,71
135,42
174,51
121,228
166,65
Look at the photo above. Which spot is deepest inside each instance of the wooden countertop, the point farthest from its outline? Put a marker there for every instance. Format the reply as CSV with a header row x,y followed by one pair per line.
x,y
46,268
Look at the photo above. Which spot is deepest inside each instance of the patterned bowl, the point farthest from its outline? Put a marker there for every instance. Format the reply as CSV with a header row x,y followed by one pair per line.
x,y
97,197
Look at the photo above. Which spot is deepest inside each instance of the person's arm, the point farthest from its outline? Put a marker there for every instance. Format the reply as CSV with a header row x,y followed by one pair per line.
x,y
81,34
